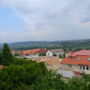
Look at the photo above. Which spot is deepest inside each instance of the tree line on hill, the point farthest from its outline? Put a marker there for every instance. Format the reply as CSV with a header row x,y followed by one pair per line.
x,y
66,45
20,74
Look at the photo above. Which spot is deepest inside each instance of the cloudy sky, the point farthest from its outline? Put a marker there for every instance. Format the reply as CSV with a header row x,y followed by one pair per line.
x,y
35,20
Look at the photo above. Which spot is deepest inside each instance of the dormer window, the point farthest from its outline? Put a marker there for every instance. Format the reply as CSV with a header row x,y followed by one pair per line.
x,y
88,59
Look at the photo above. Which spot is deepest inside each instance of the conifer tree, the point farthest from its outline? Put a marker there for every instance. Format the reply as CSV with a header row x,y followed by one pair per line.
x,y
1,58
7,53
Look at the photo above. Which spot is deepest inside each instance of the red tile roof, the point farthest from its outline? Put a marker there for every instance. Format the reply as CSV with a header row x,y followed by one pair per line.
x,y
79,60
56,50
81,52
33,51
26,52
1,66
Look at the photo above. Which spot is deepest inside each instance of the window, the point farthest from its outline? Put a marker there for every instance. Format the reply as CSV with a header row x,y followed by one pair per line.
x,y
87,68
88,59
80,67
83,67
69,65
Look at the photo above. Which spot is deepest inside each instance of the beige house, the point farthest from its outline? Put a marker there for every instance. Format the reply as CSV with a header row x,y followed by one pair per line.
x,y
77,61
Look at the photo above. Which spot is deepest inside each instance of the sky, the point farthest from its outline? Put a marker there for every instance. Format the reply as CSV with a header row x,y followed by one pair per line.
x,y
44,20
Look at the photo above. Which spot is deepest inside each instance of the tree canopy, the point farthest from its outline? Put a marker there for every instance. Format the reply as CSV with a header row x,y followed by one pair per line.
x,y
20,74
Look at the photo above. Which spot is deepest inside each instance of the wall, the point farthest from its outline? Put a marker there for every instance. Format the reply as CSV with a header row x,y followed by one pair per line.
x,y
74,68
48,53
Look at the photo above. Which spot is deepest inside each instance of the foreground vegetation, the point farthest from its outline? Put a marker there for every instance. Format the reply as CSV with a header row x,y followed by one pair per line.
x,y
20,74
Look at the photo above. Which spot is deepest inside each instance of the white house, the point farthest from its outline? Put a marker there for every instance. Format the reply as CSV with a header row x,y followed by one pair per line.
x,y
55,52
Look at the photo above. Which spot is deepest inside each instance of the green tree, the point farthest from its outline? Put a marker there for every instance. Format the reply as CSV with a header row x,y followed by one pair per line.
x,y
23,76
51,81
7,53
77,84
28,75
64,55
1,58
60,56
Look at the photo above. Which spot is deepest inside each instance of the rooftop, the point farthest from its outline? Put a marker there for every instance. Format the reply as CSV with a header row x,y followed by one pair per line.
x,y
33,51
79,60
56,50
81,52
1,66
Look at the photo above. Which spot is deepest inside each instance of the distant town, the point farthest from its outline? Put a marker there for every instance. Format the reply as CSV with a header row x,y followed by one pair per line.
x,y
67,63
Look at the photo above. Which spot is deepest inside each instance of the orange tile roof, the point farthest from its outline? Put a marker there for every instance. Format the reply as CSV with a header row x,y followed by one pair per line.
x,y
26,51
34,51
52,61
1,66
79,60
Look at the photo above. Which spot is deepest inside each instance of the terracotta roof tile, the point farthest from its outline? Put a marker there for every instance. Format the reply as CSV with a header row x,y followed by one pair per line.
x,y
56,50
81,52
1,66
34,51
52,61
79,60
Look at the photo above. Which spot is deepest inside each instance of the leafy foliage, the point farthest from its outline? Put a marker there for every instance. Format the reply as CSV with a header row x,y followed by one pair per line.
x,y
50,82
23,74
1,58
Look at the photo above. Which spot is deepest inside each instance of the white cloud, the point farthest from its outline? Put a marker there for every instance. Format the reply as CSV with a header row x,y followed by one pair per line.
x,y
61,16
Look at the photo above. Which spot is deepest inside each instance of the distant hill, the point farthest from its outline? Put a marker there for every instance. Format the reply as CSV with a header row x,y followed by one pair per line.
x,y
35,44
67,45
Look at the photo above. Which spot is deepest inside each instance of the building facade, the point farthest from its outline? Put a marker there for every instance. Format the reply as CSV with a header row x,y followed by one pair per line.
x,y
33,53
55,52
77,61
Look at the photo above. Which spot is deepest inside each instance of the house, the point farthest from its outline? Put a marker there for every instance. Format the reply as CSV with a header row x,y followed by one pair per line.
x,y
77,61
68,53
16,52
52,63
33,53
55,52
